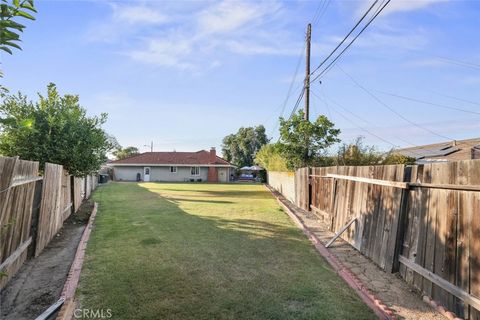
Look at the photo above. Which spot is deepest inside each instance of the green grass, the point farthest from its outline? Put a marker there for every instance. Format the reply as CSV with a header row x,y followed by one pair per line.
x,y
206,251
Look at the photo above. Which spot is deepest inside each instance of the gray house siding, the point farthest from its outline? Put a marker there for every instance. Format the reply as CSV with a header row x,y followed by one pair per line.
x,y
158,173
182,174
127,173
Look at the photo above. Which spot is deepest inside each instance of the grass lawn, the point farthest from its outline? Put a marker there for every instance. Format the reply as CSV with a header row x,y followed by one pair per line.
x,y
206,251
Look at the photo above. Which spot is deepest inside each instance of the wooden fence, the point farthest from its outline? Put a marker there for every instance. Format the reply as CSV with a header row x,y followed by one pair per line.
x,y
23,233
17,189
422,221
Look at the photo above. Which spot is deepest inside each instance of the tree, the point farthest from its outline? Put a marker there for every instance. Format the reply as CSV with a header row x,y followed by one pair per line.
x,y
304,143
123,153
55,129
269,157
240,148
392,157
9,28
359,154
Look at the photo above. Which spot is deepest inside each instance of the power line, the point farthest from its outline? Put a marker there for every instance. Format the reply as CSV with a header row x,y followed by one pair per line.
x,y
363,128
359,127
320,6
297,103
429,103
364,120
331,64
394,111
456,98
345,38
322,12
461,63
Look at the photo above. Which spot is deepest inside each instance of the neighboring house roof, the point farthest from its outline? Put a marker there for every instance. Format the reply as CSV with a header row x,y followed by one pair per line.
x,y
172,158
449,151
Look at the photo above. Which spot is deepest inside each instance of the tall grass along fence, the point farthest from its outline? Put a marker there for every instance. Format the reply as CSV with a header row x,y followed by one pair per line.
x,y
33,209
421,221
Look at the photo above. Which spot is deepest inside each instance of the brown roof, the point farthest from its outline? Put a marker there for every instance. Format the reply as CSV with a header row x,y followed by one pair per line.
x,y
187,158
451,150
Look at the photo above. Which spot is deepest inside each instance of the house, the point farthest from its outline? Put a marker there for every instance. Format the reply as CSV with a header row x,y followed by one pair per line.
x,y
173,166
444,151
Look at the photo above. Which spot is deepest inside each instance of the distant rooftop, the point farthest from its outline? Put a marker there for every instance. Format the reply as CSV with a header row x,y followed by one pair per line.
x,y
453,150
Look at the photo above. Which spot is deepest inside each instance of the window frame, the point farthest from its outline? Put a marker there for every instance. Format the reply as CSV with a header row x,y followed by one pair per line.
x,y
173,167
195,171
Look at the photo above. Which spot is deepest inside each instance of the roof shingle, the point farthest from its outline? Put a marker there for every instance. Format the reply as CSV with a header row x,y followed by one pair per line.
x,y
187,158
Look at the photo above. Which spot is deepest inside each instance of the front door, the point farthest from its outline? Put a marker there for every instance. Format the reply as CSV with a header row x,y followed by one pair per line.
x,y
146,174
222,175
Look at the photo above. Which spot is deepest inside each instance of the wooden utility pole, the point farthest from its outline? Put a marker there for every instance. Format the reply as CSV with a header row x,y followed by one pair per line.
x,y
307,72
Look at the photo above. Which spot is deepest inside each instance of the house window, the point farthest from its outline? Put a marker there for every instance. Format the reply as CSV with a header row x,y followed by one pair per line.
x,y
147,170
173,169
195,171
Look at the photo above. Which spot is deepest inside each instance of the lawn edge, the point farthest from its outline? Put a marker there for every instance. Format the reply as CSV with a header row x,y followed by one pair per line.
x,y
378,307
71,284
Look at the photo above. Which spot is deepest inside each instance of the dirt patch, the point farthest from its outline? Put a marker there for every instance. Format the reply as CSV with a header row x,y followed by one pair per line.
x,y
40,281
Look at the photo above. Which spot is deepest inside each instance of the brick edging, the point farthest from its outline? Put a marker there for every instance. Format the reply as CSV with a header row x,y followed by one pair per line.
x,y
380,309
68,292
441,309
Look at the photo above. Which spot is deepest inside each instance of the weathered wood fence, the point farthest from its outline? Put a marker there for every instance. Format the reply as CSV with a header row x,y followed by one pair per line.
x,y
33,209
422,221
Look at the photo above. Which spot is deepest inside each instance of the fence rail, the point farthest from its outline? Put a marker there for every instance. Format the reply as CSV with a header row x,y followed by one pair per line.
x,y
24,231
422,221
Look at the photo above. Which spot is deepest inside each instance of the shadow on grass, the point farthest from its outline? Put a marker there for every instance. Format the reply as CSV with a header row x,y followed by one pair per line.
x,y
257,194
150,259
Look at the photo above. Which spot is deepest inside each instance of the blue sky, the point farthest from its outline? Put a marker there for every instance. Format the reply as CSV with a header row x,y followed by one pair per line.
x,y
186,73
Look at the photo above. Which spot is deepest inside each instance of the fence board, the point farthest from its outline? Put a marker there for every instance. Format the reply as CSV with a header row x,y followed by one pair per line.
x,y
15,213
428,213
51,215
448,240
78,192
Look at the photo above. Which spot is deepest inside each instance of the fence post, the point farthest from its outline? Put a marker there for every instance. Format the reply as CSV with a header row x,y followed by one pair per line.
x,y
309,181
402,221
37,203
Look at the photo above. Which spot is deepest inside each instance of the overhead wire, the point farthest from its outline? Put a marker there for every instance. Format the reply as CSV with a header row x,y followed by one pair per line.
x,y
332,63
345,38
359,127
428,102
396,112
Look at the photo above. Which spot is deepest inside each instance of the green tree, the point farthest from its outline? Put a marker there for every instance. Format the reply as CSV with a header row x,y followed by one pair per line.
x,y
304,143
55,129
392,157
123,153
358,154
270,158
10,29
240,148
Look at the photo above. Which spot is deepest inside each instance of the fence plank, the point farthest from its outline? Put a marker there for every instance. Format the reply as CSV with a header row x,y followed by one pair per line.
x,y
15,212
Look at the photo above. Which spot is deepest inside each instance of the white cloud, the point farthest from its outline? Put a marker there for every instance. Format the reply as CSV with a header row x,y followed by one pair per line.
x,y
396,6
166,53
138,14
190,37
228,16
410,5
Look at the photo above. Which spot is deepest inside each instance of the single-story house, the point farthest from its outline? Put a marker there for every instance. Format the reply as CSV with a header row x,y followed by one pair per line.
x,y
173,167
445,151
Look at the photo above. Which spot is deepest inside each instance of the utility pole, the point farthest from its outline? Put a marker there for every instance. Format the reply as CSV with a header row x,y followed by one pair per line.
x,y
307,72
151,146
